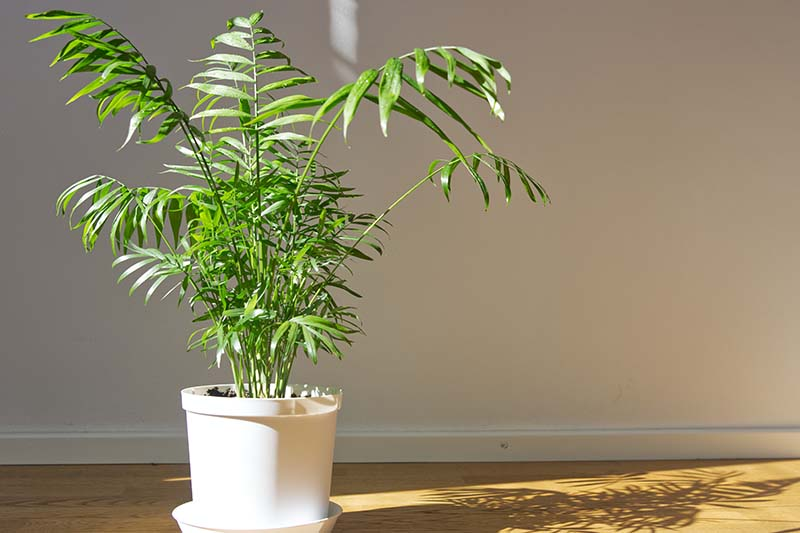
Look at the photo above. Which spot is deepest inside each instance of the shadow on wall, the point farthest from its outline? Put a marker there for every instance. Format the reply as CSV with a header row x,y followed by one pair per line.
x,y
626,502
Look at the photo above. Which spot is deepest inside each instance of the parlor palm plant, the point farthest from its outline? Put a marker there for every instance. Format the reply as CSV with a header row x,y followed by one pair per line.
x,y
257,241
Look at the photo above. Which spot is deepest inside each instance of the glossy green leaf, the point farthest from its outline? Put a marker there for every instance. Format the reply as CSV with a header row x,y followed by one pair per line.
x,y
256,17
288,119
153,288
56,14
288,136
272,54
389,90
136,266
175,216
84,23
222,74
422,66
91,87
446,174
285,84
146,276
287,103
226,58
133,126
236,39
357,92
451,64
310,344
473,170
220,90
224,112
240,22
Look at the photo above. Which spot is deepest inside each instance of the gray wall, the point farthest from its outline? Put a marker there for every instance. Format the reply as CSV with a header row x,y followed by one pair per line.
x,y
659,290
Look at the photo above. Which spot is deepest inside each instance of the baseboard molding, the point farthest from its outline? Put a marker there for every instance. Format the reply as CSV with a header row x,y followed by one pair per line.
x,y
106,447
93,447
571,445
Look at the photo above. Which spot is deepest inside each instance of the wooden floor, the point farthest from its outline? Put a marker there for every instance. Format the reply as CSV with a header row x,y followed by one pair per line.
x,y
586,497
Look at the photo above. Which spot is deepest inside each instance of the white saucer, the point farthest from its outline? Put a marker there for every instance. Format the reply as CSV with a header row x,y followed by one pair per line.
x,y
187,517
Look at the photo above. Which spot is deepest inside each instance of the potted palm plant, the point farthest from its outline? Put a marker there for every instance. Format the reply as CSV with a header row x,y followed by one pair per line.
x,y
258,239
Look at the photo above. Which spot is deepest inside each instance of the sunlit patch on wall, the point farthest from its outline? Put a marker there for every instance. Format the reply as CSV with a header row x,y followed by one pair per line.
x,y
344,38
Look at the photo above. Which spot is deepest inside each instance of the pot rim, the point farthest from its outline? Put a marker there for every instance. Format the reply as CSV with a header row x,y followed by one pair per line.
x,y
320,400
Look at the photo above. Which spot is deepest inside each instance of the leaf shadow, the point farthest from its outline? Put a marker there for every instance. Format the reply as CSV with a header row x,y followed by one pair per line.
x,y
633,502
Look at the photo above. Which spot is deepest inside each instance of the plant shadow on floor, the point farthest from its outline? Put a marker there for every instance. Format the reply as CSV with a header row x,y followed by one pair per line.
x,y
631,502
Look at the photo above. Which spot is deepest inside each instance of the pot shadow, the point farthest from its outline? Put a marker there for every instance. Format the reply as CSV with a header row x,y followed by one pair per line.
x,y
633,502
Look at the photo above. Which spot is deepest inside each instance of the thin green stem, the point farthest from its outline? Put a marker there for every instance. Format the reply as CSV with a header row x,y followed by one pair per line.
x,y
312,158
369,228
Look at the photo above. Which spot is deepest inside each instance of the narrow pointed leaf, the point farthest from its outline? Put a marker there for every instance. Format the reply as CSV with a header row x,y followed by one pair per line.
x,y
222,74
237,39
224,112
451,64
241,22
422,65
143,278
389,90
360,87
447,173
295,101
153,288
133,268
284,84
225,58
221,90
75,25
256,17
136,121
91,86
56,14
175,215
310,344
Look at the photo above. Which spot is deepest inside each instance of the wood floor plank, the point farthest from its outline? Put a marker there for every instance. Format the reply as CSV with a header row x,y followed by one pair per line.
x,y
575,497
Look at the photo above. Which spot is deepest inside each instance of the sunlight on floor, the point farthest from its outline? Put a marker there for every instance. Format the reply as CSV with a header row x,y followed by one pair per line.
x,y
752,497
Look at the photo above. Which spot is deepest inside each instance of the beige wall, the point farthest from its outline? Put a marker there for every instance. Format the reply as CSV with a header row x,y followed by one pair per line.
x,y
659,290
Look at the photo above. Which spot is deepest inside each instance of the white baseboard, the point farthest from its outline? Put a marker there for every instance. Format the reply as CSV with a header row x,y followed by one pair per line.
x,y
571,445
93,447
101,447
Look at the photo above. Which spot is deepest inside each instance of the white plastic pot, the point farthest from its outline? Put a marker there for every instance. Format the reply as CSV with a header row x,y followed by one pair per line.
x,y
260,463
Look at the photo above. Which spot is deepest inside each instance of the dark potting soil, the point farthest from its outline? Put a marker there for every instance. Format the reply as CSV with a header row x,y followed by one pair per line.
x,y
230,393
216,391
